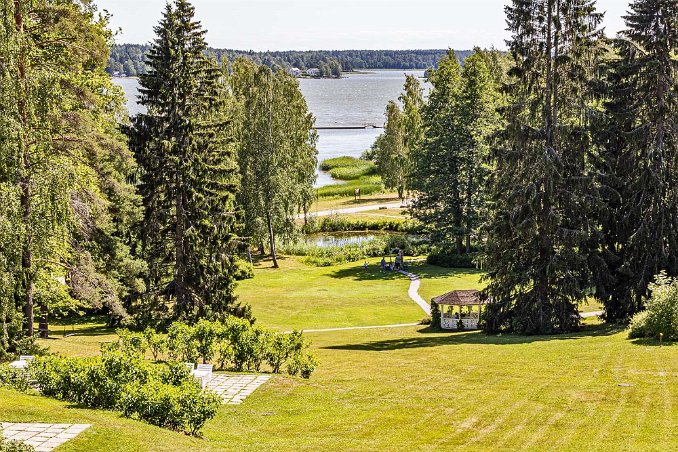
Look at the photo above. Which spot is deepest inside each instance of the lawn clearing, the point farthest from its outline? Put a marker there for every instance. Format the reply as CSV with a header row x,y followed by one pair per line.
x,y
409,389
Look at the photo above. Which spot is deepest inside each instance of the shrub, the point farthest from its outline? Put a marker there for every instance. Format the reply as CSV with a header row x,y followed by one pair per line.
x,y
156,342
204,334
637,326
243,270
131,342
14,446
168,397
183,407
435,315
443,257
181,344
12,378
302,364
661,315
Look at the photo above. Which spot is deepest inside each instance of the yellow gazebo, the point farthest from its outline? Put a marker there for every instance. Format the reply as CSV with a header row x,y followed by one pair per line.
x,y
449,320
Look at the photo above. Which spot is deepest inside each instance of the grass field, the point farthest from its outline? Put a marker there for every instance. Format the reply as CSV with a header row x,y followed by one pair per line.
x,y
407,388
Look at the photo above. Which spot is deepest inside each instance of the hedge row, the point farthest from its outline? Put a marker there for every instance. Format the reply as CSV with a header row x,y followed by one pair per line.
x,y
235,344
166,396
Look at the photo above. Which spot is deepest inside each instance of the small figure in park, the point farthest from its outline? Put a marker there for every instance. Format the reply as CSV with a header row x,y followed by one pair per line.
x,y
383,264
365,265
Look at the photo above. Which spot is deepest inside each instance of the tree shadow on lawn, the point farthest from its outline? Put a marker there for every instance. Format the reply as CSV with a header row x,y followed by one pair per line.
x,y
473,337
423,271
59,332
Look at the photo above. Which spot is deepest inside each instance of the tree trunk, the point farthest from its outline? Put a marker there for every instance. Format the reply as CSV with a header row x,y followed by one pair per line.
x,y
24,179
179,263
43,328
271,238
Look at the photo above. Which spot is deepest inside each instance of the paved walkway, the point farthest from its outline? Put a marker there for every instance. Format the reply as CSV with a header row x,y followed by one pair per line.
x,y
366,208
413,291
585,315
44,437
234,389
371,327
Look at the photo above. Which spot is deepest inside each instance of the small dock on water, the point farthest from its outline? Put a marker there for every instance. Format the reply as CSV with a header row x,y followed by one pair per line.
x,y
362,127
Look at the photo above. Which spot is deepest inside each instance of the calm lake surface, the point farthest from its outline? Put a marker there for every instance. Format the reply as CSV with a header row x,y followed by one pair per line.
x,y
355,100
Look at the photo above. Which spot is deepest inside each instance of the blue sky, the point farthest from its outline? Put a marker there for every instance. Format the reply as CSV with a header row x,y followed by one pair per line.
x,y
337,24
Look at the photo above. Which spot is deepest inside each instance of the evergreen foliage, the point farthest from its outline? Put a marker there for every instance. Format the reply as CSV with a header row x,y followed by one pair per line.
x,y
188,175
638,136
542,232
449,170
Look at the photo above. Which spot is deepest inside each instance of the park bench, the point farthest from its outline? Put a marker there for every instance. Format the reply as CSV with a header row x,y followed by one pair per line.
x,y
203,373
22,362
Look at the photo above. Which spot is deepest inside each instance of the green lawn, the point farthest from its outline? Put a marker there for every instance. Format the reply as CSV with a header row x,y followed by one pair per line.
x,y
407,388
305,297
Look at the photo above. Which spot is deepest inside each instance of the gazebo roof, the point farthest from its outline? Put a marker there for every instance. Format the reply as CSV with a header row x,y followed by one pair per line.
x,y
460,298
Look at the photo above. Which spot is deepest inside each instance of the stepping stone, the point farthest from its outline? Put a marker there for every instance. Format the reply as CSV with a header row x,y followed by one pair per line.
x,y
43,437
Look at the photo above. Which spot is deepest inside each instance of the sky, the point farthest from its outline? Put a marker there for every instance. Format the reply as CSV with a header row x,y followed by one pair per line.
x,y
337,24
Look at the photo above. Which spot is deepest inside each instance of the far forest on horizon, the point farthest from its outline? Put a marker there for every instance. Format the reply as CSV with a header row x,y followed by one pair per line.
x,y
129,59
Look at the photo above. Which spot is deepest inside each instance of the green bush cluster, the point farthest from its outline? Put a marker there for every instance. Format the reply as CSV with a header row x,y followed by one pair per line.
x,y
444,257
325,256
238,344
348,168
661,314
11,378
368,185
167,396
7,445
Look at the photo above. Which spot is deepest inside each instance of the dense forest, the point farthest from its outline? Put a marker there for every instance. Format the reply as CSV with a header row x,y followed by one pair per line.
x,y
129,58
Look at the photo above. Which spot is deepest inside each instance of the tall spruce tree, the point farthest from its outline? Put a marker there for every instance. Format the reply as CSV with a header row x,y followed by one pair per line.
x,y
542,232
188,172
276,153
638,137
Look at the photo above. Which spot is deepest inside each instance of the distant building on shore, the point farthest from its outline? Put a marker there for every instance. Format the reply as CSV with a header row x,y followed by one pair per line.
x,y
295,72
313,72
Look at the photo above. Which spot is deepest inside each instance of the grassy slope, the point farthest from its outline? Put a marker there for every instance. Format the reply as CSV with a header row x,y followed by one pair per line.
x,y
300,296
407,388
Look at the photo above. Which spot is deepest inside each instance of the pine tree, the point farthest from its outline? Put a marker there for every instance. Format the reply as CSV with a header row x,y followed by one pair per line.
x,y
542,232
639,158
46,48
188,171
277,155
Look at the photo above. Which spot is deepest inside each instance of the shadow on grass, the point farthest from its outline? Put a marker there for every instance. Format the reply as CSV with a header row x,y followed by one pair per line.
x,y
472,337
58,332
423,271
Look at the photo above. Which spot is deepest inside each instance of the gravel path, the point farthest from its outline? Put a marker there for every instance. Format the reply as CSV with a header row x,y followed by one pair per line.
x,y
327,213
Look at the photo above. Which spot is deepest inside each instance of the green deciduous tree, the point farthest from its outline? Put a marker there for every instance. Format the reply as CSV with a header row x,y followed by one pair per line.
x,y
277,154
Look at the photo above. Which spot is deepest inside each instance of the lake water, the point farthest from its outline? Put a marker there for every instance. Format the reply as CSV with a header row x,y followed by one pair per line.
x,y
354,100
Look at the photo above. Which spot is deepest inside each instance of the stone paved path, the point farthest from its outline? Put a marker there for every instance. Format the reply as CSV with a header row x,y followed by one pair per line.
x,y
44,437
234,389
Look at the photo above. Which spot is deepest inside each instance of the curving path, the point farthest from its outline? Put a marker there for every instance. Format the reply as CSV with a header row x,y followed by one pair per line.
x,y
413,291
